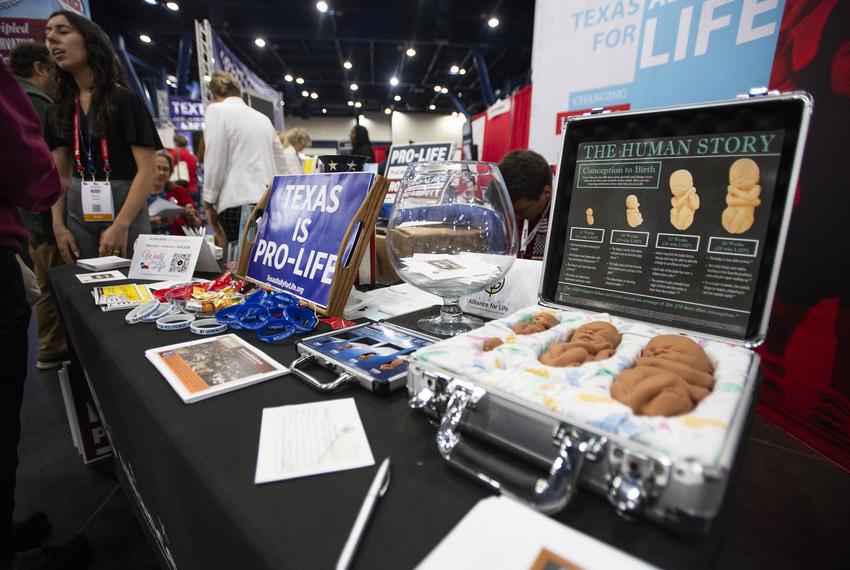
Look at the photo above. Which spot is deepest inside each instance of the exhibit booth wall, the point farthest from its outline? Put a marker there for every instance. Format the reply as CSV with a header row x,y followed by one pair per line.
x,y
504,126
631,55
807,353
426,127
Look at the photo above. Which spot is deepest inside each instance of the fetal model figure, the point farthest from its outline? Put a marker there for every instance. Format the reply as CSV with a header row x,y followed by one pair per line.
x,y
594,341
672,375
742,196
633,215
685,200
589,215
538,323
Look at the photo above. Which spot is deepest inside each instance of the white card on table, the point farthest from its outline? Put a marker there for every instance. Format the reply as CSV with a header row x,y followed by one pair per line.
x,y
309,439
542,543
97,201
100,277
166,257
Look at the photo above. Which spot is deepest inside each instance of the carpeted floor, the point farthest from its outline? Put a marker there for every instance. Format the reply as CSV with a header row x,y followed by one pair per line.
x,y
78,498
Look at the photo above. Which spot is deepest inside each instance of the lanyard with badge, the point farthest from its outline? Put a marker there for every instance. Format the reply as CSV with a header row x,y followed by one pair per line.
x,y
96,194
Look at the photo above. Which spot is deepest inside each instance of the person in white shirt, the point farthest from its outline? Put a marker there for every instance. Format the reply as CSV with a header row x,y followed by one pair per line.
x,y
294,141
243,155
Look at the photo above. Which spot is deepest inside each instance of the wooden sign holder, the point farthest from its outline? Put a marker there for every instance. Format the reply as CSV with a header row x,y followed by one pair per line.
x,y
344,275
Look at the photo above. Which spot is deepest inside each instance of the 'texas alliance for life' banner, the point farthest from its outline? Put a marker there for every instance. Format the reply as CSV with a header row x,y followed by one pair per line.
x,y
303,225
632,54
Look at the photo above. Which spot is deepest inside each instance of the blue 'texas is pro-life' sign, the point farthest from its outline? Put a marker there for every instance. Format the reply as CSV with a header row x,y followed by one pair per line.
x,y
305,220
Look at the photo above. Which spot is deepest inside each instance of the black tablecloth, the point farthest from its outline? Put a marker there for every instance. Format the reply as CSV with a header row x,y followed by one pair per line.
x,y
189,470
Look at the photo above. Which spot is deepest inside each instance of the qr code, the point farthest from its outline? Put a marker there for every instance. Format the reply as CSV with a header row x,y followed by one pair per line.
x,y
179,263
95,207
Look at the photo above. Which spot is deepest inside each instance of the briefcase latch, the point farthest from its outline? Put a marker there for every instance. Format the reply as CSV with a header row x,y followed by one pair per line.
x,y
636,481
547,494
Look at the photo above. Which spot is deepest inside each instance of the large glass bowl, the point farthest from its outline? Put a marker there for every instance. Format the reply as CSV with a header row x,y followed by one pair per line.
x,y
451,233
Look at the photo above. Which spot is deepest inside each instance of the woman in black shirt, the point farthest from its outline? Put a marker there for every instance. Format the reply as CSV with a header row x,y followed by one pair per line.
x,y
95,117
360,143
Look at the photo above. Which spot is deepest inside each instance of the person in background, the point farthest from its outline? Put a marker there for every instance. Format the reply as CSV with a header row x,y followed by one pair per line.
x,y
92,111
360,143
181,154
529,180
242,156
167,190
30,62
294,142
31,182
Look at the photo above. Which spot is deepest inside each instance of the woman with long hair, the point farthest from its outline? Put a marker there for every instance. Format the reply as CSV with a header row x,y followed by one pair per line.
x,y
103,141
360,143
167,190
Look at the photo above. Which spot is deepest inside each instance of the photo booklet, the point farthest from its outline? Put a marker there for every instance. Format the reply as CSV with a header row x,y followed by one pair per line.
x,y
206,367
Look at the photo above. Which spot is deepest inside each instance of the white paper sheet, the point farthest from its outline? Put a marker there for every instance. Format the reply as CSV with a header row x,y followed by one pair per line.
x,y
100,277
309,439
389,302
501,533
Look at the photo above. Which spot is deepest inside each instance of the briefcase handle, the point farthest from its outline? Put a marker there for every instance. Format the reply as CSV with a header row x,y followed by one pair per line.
x,y
548,495
312,381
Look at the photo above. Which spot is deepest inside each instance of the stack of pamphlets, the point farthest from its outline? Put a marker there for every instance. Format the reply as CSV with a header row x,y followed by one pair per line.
x,y
117,297
103,263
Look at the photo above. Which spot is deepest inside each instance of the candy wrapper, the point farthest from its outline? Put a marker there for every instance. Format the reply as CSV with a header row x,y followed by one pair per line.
x,y
204,298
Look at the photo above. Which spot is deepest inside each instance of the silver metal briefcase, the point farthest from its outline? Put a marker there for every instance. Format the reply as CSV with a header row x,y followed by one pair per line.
x,y
713,280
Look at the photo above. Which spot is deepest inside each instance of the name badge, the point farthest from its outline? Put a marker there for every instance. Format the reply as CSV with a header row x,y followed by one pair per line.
x,y
97,201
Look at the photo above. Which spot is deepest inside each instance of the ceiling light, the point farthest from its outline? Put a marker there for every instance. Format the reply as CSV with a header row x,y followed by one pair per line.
x,y
322,6
347,64
145,38
493,22
299,80
305,93
454,69
324,111
152,2
388,111
432,106
287,77
444,90
437,88
260,42
462,71
173,6
351,103
393,80
459,95
411,52
354,87
397,98
358,104
314,95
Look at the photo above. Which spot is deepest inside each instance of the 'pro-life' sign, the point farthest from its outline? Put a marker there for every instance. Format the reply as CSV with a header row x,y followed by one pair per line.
x,y
400,156
302,229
